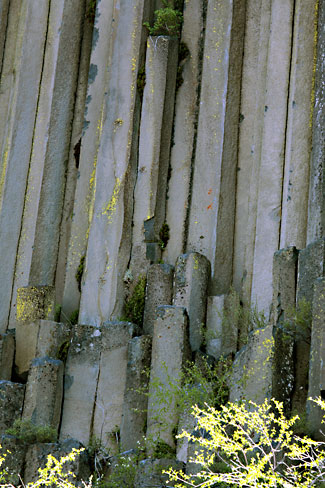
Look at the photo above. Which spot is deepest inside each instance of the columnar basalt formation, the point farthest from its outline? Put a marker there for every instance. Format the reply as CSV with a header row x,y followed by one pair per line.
x,y
188,160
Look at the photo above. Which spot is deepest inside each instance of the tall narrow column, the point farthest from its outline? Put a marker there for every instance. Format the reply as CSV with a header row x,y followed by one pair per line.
x,y
298,136
211,221
272,153
16,139
316,210
109,240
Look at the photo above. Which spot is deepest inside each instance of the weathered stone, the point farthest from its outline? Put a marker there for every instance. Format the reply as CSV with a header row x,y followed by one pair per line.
x,y
95,110
159,292
170,350
33,303
311,265
257,33
37,454
316,213
251,377
52,338
316,381
73,169
38,247
270,174
16,137
212,213
154,145
150,473
80,383
15,457
44,391
222,325
7,351
299,128
11,403
192,275
186,423
284,300
135,401
109,243
4,8
114,337
186,109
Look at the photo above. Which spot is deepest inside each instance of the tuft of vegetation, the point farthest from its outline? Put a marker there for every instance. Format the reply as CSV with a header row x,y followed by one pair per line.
x,y
141,80
298,321
63,351
73,319
91,12
168,22
29,433
134,305
163,236
164,451
57,313
80,271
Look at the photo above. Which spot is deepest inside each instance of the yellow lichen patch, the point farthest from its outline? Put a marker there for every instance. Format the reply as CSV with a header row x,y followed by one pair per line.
x,y
34,303
3,172
110,209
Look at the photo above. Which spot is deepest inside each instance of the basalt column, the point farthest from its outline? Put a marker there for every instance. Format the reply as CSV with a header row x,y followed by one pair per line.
x,y
211,220
38,245
316,213
109,240
20,98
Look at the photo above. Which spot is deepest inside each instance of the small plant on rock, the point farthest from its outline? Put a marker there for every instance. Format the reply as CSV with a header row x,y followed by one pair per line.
x,y
29,433
168,22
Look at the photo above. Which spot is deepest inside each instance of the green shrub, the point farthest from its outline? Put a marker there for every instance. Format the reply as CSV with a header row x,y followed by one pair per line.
x,y
168,22
29,433
80,271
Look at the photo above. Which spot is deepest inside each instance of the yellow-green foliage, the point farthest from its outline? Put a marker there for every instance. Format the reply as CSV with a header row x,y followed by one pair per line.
x,y
257,444
91,11
134,305
168,22
29,433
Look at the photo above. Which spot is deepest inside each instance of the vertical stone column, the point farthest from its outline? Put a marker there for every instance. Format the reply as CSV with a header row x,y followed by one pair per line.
x,y
211,220
169,353
186,109
115,337
298,134
272,152
4,9
159,291
311,265
257,32
222,325
192,275
316,380
33,303
155,134
16,136
80,383
73,168
135,400
284,300
44,391
110,231
38,246
316,214
95,110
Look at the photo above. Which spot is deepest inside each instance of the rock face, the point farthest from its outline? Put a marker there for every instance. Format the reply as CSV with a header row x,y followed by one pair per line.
x,y
190,156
